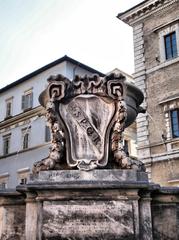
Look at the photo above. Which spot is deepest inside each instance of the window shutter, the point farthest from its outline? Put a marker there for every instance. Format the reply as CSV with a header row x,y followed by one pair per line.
x,y
47,134
23,102
8,109
31,99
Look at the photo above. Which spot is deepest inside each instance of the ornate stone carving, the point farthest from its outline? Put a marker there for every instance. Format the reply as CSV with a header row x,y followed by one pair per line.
x,y
87,118
57,147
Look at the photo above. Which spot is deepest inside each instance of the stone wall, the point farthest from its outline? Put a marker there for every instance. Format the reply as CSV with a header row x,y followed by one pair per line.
x,y
165,213
90,209
158,79
12,215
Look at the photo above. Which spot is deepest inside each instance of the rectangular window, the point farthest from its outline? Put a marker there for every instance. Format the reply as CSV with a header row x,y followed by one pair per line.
x,y
25,138
175,123
27,100
26,141
170,45
3,185
6,144
23,175
23,181
47,134
8,108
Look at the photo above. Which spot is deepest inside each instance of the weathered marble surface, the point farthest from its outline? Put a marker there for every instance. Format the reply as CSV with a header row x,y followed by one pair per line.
x,y
101,204
12,216
87,117
165,213
95,176
82,220
83,118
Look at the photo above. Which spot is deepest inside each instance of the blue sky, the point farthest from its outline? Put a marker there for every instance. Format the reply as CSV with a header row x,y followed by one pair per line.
x,y
37,32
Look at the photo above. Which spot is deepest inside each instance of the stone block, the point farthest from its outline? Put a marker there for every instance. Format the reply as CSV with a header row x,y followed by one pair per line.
x,y
142,128
91,178
139,42
142,139
143,133
138,35
139,65
140,68
140,78
142,124
72,204
12,215
138,74
138,26
138,48
136,31
165,213
107,220
140,56
138,52
141,119
141,60
143,143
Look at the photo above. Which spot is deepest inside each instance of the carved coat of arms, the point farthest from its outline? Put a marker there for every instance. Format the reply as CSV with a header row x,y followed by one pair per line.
x,y
87,118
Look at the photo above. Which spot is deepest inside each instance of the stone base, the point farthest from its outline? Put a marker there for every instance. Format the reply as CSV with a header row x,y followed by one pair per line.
x,y
101,204
12,215
76,178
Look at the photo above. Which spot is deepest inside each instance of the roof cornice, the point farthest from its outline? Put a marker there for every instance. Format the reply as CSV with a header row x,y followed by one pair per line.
x,y
46,67
143,10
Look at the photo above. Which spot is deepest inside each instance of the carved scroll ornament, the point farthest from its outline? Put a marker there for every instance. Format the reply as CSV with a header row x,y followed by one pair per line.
x,y
86,117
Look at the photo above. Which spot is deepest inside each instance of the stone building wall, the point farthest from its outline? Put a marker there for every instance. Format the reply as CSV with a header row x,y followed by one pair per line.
x,y
158,78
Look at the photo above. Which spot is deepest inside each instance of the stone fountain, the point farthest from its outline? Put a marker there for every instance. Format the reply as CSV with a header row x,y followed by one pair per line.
x,y
88,188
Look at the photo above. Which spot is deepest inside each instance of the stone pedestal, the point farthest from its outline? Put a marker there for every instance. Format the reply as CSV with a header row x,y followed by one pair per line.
x,y
12,215
165,213
100,204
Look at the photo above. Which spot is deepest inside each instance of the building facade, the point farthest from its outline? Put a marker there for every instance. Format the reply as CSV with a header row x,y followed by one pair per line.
x,y
24,136
155,26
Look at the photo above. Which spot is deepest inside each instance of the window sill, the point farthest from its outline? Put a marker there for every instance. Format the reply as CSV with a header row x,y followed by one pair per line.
x,y
8,117
174,181
163,64
27,109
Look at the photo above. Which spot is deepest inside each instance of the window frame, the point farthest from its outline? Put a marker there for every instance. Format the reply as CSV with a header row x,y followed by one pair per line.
x,y
27,100
172,123
9,113
171,50
4,178
6,149
23,175
162,34
26,138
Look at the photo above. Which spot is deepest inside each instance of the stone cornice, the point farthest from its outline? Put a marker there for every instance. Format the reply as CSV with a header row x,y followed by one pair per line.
x,y
143,10
21,117
23,151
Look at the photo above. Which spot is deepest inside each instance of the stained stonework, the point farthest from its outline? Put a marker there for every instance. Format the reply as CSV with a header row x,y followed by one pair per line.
x,y
98,204
88,210
87,117
12,216
107,220
165,213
